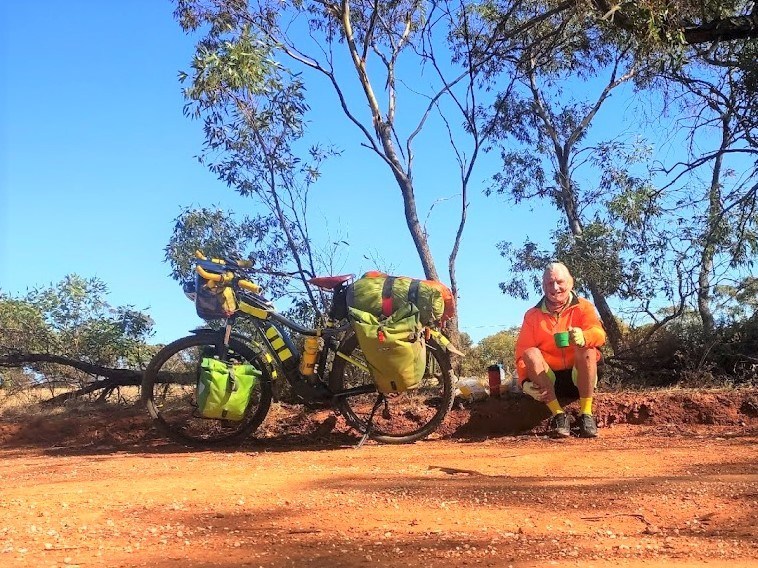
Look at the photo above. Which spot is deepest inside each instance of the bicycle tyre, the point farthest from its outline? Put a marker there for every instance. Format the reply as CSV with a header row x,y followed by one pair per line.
x,y
168,392
408,416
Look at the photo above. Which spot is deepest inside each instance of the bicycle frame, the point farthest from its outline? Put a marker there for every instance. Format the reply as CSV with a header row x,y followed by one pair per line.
x,y
281,350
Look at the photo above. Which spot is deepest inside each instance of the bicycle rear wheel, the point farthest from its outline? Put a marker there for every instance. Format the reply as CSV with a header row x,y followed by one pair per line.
x,y
169,391
404,417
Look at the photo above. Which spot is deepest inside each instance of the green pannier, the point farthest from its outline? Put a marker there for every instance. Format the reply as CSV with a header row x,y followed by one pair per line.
x,y
381,295
394,347
223,390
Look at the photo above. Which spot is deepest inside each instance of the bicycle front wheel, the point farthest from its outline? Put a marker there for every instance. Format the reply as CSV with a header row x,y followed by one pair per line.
x,y
403,417
169,391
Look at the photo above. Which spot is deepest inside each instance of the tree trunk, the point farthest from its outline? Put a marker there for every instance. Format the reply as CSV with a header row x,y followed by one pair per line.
x,y
704,294
575,225
615,337
418,234
711,235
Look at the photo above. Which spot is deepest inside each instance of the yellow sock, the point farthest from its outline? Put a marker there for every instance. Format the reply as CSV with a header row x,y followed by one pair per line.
x,y
555,407
585,406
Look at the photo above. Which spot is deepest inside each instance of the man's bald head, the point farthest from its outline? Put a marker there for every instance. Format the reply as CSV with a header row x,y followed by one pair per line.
x,y
559,269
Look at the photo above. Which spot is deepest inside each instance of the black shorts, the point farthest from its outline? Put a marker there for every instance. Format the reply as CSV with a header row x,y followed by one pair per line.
x,y
564,385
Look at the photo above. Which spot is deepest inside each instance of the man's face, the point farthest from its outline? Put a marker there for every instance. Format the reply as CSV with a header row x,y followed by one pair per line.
x,y
557,285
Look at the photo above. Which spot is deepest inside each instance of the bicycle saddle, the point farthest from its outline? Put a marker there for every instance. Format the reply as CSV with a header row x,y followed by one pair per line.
x,y
330,282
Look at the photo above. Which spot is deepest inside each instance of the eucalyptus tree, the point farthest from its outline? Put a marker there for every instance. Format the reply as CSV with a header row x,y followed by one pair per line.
x,y
618,230
717,181
252,109
742,302
68,334
690,22
543,123
394,70
497,348
217,232
355,50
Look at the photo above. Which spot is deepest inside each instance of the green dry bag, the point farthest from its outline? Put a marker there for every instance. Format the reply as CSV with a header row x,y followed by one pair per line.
x,y
394,347
223,390
382,295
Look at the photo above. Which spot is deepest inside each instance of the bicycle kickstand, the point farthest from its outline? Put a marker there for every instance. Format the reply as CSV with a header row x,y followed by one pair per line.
x,y
370,423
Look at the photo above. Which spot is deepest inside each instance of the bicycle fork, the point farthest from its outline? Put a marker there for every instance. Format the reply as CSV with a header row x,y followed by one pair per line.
x,y
223,349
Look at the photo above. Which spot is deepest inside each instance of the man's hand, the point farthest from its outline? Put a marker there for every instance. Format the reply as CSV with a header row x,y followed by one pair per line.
x,y
576,336
532,390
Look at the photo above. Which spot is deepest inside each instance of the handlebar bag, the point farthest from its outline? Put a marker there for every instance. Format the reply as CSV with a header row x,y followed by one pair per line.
x,y
223,390
394,347
381,295
214,302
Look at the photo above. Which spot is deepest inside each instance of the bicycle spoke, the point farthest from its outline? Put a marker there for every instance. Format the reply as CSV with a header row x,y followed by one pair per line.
x,y
404,417
170,385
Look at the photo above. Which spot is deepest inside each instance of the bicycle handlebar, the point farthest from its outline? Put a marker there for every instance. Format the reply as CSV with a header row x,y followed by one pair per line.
x,y
241,262
227,277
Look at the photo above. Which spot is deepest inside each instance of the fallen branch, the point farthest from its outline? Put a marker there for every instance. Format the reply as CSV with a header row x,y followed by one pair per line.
x,y
106,379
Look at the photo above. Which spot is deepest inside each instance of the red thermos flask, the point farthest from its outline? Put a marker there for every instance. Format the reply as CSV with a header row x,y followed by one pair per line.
x,y
494,373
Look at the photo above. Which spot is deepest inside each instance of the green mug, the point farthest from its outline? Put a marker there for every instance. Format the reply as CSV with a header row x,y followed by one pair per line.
x,y
561,338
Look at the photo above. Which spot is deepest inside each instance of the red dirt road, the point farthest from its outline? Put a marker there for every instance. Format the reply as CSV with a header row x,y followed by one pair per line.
x,y
640,495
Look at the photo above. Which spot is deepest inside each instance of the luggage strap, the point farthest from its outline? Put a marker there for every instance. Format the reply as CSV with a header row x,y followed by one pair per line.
x,y
389,282
231,384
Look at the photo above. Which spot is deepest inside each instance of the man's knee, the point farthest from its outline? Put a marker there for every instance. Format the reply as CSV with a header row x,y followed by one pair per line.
x,y
536,368
583,377
533,358
586,356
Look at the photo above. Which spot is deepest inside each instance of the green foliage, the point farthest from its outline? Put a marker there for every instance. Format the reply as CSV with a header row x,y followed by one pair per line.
x,y
523,177
542,129
251,106
594,256
243,64
681,354
659,25
83,325
23,324
497,348
73,319
738,302
627,236
253,110
526,266
500,348
217,233
747,63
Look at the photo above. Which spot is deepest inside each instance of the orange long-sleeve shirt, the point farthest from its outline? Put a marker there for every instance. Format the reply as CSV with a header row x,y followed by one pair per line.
x,y
540,325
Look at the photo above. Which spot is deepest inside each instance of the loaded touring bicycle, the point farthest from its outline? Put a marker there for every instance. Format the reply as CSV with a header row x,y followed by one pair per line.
x,y
389,375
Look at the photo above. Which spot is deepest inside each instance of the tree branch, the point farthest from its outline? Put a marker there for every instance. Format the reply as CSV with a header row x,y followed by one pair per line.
x,y
726,29
17,358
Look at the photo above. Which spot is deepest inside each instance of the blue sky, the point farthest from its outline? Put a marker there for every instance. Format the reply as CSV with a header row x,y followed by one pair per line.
x,y
97,159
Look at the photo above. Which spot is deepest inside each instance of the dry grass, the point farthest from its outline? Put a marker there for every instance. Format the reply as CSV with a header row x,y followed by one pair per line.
x,y
35,402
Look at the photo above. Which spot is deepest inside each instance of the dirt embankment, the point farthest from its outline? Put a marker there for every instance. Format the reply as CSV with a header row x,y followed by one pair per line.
x,y
671,481
287,425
